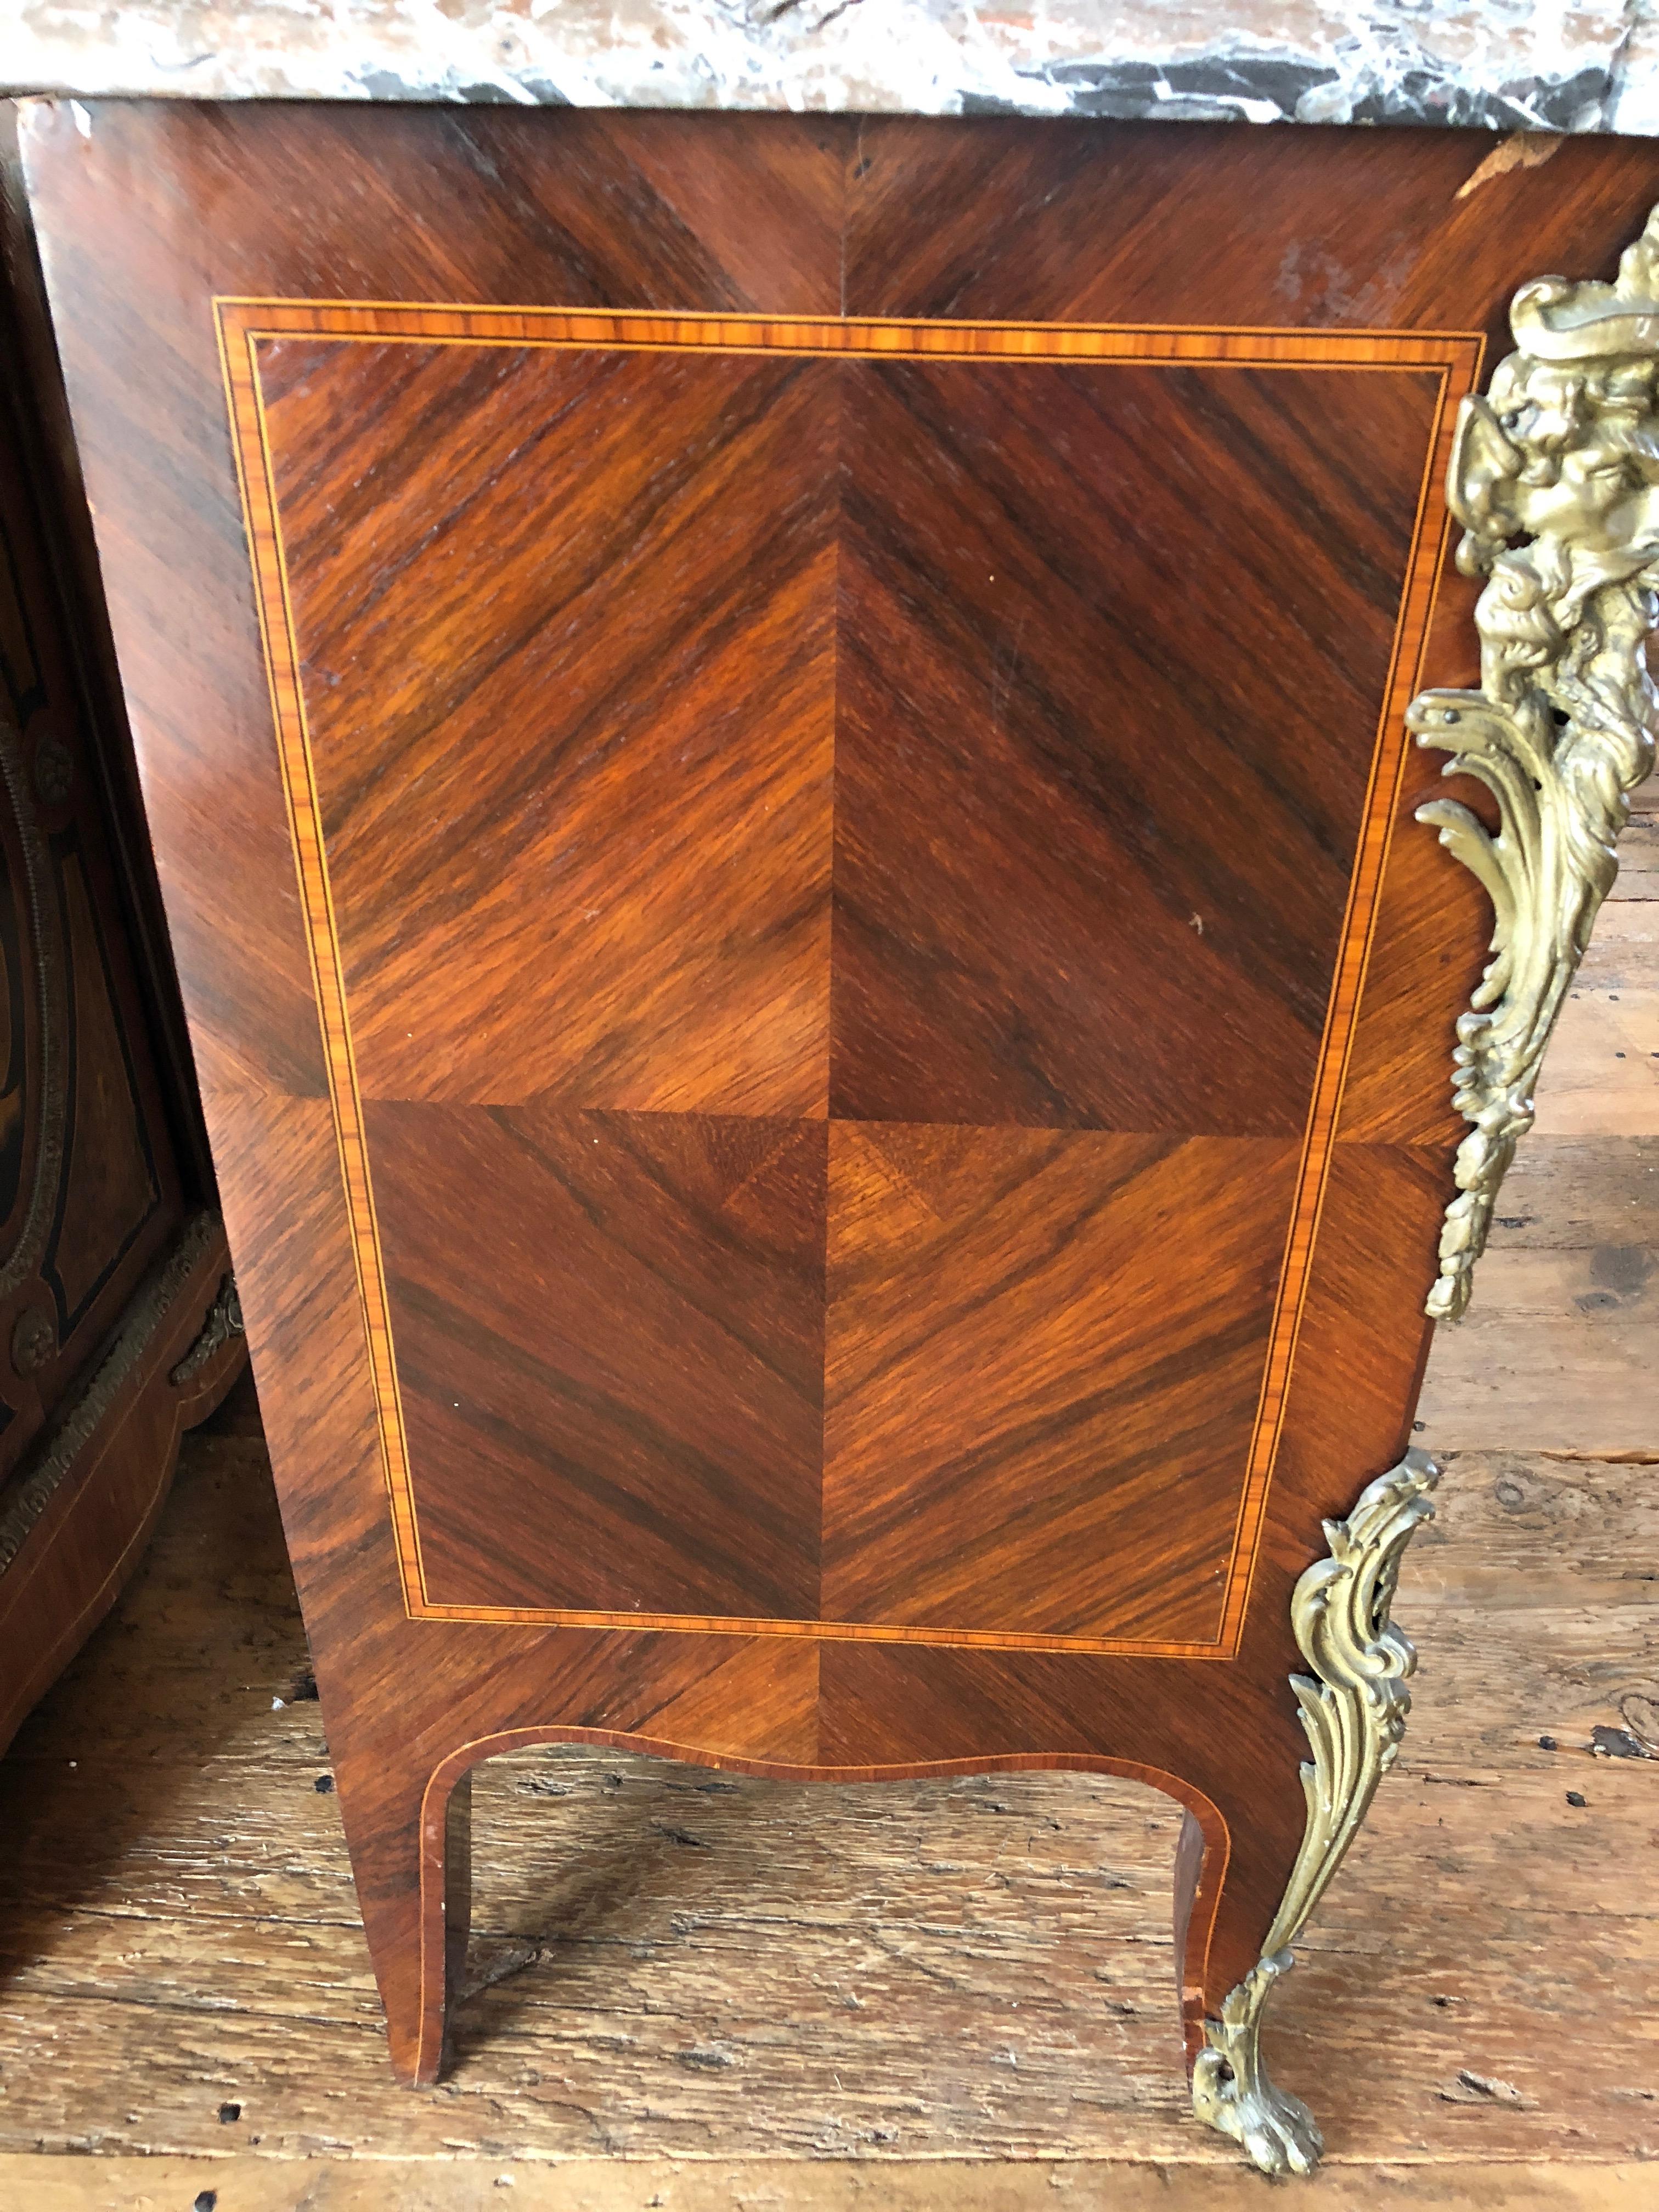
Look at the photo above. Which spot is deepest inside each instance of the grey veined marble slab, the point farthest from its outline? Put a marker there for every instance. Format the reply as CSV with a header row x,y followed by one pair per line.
x,y
1503,64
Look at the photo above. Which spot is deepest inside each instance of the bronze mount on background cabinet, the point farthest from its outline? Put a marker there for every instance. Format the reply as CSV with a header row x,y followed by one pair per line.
x,y
834,1121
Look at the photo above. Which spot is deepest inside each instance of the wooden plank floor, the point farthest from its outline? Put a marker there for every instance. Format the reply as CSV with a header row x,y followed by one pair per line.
x,y
693,1991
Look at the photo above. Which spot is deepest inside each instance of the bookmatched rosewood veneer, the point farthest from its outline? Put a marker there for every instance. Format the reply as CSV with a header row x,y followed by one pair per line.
x,y
780,751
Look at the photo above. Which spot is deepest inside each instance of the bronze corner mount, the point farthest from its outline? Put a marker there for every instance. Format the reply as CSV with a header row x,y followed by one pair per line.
x,y
1554,476
1353,1707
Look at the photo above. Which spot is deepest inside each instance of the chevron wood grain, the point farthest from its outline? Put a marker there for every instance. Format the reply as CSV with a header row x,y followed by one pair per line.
x,y
713,893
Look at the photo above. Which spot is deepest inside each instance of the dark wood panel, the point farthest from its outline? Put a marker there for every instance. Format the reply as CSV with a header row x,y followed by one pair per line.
x,y
594,723
1090,223
1045,1360
609,1334
1120,637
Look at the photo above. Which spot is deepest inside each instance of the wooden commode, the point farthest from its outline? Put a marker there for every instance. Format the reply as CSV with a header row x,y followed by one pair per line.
x,y
785,755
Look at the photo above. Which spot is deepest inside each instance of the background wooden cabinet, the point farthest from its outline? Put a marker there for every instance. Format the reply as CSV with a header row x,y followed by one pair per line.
x,y
112,1253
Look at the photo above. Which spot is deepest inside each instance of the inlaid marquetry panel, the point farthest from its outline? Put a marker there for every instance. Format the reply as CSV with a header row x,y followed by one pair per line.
x,y
906,920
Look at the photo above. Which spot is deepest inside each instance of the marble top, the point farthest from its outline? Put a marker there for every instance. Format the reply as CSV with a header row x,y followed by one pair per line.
x,y
1499,64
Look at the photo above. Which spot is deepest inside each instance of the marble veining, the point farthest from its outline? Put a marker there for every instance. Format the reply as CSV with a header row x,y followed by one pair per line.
x,y
1506,65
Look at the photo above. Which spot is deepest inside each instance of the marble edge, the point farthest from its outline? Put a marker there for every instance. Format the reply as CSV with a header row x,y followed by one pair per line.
x,y
1501,65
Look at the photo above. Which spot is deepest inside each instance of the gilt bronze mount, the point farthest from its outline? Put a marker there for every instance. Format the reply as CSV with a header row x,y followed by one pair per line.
x,y
1554,478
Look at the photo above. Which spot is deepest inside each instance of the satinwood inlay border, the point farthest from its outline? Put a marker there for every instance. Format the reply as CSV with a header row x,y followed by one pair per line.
x,y
1453,357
